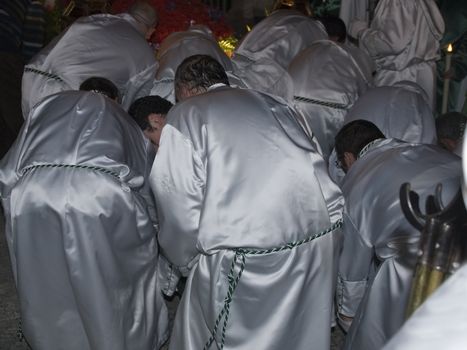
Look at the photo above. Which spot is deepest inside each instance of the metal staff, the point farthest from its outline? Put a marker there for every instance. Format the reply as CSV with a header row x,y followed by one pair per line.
x,y
440,250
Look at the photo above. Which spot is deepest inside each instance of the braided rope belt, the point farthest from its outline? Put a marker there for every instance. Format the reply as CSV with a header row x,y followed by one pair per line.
x,y
71,166
320,103
48,75
233,277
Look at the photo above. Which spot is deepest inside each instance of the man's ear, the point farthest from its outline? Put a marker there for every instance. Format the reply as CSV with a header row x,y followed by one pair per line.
x,y
349,159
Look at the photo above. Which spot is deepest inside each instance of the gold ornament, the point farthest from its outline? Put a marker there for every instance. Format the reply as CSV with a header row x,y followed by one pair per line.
x,y
228,45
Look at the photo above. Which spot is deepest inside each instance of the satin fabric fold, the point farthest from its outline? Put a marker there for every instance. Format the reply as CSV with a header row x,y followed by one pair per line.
x,y
280,37
246,175
400,111
403,39
380,245
79,227
103,45
327,81
178,46
262,57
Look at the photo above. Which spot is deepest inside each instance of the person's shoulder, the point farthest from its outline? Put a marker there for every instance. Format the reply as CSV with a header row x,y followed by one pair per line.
x,y
422,156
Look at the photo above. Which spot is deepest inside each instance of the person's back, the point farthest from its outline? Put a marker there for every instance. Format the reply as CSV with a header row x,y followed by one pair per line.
x,y
82,244
380,245
247,179
327,81
399,111
280,37
337,32
261,59
403,39
440,322
178,46
110,46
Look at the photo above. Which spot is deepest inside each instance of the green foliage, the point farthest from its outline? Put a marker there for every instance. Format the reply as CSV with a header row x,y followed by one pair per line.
x,y
326,7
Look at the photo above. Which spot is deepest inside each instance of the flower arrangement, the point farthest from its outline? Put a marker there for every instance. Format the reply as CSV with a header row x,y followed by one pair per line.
x,y
174,16
178,15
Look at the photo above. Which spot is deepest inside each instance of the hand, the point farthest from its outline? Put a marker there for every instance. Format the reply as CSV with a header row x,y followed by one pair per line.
x,y
344,321
356,27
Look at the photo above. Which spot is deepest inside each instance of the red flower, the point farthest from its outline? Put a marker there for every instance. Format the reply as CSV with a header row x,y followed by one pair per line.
x,y
176,16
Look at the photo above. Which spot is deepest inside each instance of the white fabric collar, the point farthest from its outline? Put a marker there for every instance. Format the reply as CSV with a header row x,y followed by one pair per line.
x,y
370,146
215,86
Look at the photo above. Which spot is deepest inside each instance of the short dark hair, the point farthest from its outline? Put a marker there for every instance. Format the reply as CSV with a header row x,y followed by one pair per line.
x,y
100,85
335,27
198,72
451,126
144,106
354,136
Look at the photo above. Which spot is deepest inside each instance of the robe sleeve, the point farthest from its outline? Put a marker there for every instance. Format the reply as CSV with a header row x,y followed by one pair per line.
x,y
394,30
354,266
178,181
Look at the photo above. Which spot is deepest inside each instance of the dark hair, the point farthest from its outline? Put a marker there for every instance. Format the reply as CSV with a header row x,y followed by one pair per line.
x,y
100,85
354,136
144,106
451,126
335,27
198,72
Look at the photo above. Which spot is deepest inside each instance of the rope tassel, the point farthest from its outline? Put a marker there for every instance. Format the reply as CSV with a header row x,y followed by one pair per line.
x,y
233,278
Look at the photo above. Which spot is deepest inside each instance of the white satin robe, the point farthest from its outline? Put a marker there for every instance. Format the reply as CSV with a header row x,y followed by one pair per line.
x,y
399,111
328,74
280,37
235,169
263,55
178,46
102,45
353,9
439,323
82,243
403,39
379,250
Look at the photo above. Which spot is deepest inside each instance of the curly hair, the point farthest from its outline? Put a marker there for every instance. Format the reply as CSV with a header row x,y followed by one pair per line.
x,y
197,73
